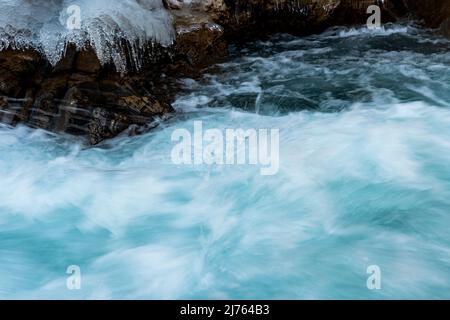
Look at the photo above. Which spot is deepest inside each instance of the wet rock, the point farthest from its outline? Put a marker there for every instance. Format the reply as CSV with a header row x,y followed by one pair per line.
x,y
105,124
3,102
445,27
144,105
173,4
44,111
87,61
201,44
131,112
433,12
9,83
249,18
78,96
18,70
199,40
19,62
68,60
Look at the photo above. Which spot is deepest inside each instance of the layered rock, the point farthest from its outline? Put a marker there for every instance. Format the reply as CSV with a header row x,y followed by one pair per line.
x,y
77,96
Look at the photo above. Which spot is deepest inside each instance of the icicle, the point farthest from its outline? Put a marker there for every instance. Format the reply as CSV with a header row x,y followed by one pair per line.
x,y
103,25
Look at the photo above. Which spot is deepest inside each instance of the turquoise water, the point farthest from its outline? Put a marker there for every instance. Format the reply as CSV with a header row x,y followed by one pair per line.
x,y
364,179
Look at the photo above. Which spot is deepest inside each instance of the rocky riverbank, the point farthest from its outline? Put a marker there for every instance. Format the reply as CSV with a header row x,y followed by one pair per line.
x,y
80,95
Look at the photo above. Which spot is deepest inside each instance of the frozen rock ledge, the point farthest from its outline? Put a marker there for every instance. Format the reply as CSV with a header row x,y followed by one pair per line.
x,y
117,30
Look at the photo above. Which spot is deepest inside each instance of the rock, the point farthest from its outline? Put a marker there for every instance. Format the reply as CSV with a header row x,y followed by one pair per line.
x,y
199,40
106,124
68,60
19,62
3,102
87,61
4,114
78,96
246,19
9,83
201,44
445,27
144,105
434,12
133,112
173,4
102,114
18,69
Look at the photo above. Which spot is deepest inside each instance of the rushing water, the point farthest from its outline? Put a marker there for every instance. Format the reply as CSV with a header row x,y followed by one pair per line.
x,y
364,122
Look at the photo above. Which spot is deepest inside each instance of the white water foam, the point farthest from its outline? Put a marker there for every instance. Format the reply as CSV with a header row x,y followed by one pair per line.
x,y
369,185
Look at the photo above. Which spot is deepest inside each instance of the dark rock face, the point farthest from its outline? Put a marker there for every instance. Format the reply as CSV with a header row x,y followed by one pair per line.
x,y
198,45
77,96
434,12
250,18
80,96
445,27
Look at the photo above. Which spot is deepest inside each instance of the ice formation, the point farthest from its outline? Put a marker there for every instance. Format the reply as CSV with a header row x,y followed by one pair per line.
x,y
48,25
